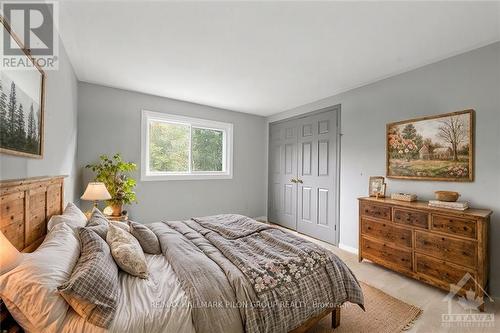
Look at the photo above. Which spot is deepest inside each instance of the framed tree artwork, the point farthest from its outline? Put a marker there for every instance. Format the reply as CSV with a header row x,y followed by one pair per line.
x,y
21,104
432,148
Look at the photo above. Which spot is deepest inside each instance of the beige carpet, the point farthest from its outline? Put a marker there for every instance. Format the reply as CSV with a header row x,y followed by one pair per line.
x,y
384,314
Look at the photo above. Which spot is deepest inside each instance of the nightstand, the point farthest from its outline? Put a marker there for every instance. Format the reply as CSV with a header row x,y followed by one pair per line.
x,y
7,323
122,218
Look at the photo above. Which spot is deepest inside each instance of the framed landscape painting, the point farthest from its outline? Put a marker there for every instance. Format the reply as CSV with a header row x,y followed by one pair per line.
x,y
21,105
432,148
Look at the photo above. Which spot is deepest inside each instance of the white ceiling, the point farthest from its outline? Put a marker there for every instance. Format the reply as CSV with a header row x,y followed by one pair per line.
x,y
264,57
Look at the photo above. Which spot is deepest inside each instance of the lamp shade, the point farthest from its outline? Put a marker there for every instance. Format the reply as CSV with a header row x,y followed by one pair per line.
x,y
9,255
96,191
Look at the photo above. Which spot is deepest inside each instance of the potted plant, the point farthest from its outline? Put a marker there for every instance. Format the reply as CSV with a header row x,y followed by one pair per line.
x,y
114,173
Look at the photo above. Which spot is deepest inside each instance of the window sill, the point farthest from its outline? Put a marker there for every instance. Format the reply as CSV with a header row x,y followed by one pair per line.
x,y
160,177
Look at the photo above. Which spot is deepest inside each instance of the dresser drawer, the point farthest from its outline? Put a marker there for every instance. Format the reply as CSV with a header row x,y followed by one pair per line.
x,y
411,217
383,253
443,272
461,252
387,233
378,211
454,226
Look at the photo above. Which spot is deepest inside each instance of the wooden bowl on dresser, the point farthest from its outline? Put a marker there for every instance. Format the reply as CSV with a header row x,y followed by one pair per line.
x,y
448,196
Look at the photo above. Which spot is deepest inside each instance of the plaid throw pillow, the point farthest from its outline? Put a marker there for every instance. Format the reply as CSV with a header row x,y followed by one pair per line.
x,y
93,289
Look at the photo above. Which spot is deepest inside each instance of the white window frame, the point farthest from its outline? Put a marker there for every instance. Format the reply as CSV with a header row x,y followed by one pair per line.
x,y
227,156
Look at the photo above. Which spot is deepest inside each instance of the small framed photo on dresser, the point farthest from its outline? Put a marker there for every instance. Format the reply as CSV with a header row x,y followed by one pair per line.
x,y
376,186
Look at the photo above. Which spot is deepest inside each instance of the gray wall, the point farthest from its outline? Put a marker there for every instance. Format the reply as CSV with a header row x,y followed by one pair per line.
x,y
109,121
470,80
60,132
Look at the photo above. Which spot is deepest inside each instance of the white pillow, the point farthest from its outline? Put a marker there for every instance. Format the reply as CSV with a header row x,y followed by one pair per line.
x,y
30,289
72,216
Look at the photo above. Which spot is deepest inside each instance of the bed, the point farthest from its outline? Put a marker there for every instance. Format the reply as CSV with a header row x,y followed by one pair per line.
x,y
224,273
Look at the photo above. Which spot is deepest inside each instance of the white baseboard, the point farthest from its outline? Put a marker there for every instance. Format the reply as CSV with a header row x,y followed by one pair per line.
x,y
348,248
260,218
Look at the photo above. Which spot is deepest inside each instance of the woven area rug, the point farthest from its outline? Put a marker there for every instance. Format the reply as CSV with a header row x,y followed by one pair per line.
x,y
384,314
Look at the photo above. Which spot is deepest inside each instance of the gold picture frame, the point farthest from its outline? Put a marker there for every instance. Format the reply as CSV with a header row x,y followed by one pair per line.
x,y
376,186
30,142
439,148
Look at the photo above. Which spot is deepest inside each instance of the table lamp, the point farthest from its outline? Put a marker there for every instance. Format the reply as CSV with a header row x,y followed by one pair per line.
x,y
96,192
10,256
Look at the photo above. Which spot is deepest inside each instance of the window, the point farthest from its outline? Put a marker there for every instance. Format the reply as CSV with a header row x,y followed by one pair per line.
x,y
176,147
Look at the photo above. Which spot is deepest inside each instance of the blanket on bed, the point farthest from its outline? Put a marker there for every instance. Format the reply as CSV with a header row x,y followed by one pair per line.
x,y
243,275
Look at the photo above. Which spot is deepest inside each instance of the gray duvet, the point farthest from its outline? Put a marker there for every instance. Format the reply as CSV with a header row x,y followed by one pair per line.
x,y
245,276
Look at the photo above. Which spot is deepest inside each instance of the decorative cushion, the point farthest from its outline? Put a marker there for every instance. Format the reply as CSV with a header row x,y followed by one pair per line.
x,y
72,216
148,240
99,223
93,289
30,289
101,230
127,252
97,218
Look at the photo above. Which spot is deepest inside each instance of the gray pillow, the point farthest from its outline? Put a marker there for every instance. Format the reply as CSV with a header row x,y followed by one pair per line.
x,y
147,238
100,224
93,289
97,218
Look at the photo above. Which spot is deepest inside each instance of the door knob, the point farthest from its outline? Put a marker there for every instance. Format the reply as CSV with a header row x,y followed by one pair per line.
x,y
293,180
300,181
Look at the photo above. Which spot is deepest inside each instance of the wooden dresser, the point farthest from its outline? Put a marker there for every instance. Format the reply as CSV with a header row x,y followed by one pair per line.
x,y
437,246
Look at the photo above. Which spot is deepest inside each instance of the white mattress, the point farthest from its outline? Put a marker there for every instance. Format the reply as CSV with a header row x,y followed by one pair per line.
x,y
144,304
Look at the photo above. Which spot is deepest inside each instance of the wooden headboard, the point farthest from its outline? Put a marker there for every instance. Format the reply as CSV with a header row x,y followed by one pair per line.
x,y
26,205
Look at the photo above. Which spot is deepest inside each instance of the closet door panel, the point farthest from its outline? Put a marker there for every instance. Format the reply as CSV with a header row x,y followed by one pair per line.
x,y
282,193
317,175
